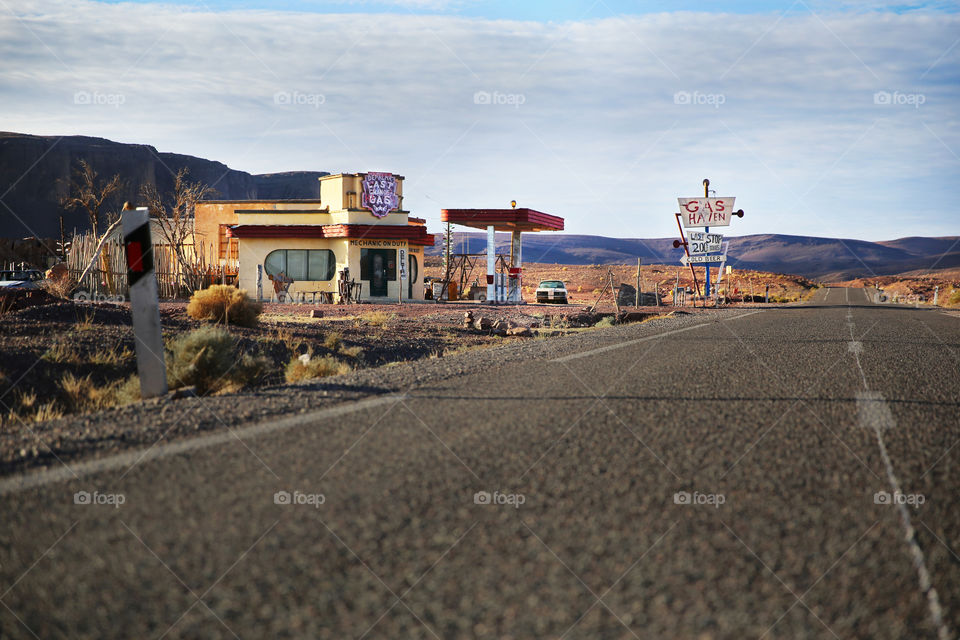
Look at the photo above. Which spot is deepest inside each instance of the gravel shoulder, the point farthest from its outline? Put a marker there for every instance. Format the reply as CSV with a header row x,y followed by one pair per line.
x,y
26,445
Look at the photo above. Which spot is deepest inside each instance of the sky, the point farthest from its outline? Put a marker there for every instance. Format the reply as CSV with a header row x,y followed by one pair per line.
x,y
835,119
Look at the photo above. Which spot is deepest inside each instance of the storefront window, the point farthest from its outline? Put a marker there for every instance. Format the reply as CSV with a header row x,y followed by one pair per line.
x,y
301,264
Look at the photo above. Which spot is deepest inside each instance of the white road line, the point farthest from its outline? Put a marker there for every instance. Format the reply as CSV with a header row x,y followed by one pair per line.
x,y
30,480
620,345
874,414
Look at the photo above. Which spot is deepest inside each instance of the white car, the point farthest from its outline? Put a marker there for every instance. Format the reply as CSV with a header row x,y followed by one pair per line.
x,y
20,278
552,291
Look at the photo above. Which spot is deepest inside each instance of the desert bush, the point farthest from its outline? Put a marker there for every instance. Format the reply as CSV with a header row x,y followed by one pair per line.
x,y
376,318
606,321
207,359
953,298
128,391
355,352
298,370
224,303
58,287
333,340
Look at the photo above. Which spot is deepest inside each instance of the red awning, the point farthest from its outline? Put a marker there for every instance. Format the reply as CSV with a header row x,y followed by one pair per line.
x,y
503,219
414,234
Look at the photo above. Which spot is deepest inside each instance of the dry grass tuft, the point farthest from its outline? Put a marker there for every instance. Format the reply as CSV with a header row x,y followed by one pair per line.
x,y
377,318
111,357
62,352
333,340
352,352
298,370
226,304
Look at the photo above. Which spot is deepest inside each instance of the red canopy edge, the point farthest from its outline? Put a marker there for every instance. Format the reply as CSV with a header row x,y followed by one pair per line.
x,y
414,234
503,219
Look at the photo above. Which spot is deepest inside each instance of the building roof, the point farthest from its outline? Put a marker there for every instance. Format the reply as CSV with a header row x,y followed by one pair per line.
x,y
256,200
503,219
413,233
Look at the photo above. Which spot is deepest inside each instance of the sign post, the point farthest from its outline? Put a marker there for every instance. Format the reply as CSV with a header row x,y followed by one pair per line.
x,y
705,212
144,306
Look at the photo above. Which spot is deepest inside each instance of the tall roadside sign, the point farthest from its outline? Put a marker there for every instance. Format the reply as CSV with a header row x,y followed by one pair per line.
x,y
698,215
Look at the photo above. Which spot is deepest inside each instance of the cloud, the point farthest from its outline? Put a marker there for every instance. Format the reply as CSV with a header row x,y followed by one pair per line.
x,y
604,121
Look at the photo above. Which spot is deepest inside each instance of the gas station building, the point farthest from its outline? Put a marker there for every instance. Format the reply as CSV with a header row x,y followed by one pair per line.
x,y
303,246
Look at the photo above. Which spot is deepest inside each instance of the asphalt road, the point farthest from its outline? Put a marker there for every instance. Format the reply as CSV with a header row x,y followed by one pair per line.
x,y
734,478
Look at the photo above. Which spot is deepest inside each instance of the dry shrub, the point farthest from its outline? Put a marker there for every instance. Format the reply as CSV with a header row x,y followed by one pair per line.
x,y
298,370
355,352
376,318
226,304
58,287
333,340
952,298
207,358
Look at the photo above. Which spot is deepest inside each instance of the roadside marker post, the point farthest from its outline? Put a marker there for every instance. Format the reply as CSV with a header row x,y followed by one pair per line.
x,y
144,306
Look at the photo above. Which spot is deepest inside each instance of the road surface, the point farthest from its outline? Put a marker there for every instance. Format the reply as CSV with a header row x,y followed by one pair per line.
x,y
786,473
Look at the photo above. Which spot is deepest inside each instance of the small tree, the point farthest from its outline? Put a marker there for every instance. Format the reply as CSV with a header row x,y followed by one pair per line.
x,y
174,214
93,196
90,195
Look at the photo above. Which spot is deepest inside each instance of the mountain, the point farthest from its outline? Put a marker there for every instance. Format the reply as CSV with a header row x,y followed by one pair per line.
x,y
822,258
289,185
35,172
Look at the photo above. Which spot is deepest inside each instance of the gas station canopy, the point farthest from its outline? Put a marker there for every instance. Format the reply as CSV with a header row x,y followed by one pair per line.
x,y
503,219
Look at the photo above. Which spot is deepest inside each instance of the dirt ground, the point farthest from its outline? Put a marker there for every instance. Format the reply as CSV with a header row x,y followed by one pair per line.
x,y
919,287
585,282
47,350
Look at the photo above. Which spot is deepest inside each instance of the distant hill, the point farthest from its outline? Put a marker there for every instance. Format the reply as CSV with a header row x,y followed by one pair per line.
x,y
289,185
822,258
35,172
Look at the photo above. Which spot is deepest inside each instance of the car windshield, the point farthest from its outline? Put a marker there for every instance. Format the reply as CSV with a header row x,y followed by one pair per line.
x,y
551,284
21,275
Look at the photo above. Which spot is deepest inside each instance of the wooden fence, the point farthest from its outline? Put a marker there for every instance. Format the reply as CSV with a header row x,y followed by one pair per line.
x,y
107,280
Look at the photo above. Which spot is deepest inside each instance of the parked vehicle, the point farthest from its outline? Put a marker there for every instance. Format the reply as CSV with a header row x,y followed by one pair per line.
x,y
552,291
20,278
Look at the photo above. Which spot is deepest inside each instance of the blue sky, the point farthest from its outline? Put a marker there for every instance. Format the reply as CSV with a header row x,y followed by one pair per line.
x,y
832,119
562,10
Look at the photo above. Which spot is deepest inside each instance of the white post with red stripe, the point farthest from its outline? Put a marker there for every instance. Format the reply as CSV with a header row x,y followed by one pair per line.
x,y
144,305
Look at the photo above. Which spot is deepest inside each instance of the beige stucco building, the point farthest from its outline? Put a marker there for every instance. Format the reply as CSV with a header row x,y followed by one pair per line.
x,y
358,223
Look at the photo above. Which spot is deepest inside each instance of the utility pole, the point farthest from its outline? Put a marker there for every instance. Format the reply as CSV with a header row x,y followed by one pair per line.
x,y
706,290
639,297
